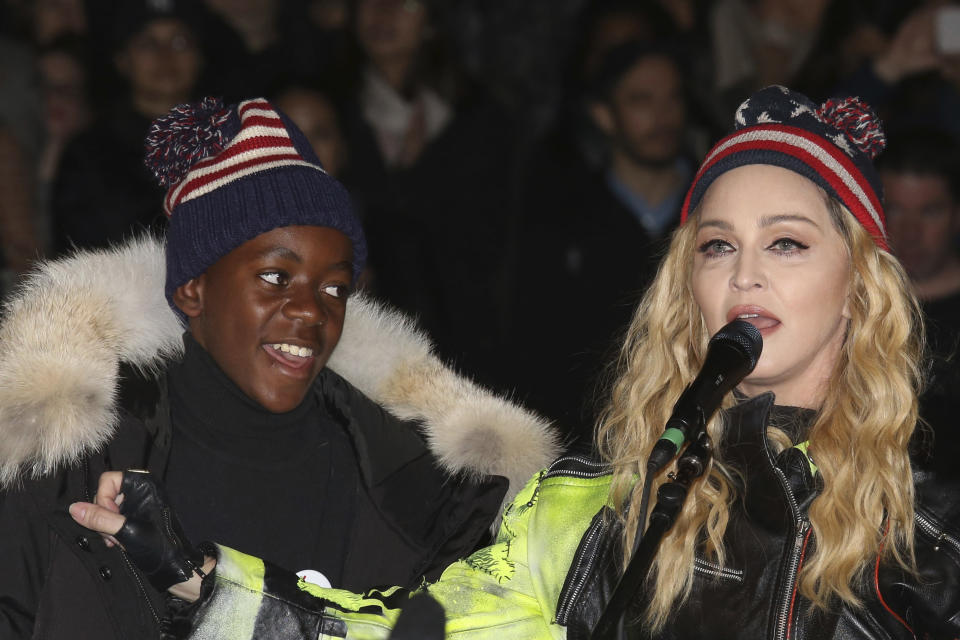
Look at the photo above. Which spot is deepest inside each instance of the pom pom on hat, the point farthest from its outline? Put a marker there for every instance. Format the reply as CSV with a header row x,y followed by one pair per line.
x,y
857,121
186,135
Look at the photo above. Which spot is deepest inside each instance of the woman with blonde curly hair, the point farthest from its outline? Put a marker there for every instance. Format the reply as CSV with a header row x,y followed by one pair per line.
x,y
809,521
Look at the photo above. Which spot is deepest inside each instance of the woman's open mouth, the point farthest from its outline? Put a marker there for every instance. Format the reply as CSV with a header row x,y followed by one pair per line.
x,y
763,320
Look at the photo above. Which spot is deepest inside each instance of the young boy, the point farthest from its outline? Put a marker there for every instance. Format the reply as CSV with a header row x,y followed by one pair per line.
x,y
295,463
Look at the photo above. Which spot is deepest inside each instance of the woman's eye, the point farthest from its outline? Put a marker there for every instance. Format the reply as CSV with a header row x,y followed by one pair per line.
x,y
715,248
337,290
277,278
787,245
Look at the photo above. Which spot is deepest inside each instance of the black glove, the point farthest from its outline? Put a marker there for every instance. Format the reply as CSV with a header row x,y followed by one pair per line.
x,y
152,535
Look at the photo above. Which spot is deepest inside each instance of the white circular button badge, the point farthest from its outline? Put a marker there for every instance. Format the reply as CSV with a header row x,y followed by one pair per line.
x,y
314,577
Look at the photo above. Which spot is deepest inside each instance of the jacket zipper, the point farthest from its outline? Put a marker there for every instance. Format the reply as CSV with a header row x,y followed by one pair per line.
x,y
938,535
705,567
783,612
590,546
140,587
602,470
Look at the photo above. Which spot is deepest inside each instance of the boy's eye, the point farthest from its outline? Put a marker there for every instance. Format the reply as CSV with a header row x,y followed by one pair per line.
x,y
337,290
274,277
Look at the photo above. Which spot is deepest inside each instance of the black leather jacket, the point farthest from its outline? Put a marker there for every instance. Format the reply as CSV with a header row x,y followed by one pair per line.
x,y
768,537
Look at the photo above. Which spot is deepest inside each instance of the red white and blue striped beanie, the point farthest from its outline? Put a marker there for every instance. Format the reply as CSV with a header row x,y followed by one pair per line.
x,y
234,172
833,145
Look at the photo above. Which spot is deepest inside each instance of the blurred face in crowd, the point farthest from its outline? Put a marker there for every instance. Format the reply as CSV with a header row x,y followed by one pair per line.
x,y
923,219
162,62
271,311
63,84
315,116
768,252
391,29
645,114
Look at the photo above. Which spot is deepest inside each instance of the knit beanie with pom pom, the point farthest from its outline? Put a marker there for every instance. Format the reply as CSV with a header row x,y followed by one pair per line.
x,y
832,144
234,172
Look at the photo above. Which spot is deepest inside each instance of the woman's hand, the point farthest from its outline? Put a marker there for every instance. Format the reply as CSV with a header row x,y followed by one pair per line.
x,y
131,509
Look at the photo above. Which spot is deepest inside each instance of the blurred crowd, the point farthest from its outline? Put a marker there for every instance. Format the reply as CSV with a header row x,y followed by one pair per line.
x,y
517,165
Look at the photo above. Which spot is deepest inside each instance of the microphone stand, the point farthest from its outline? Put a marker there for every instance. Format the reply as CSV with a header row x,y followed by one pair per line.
x,y
670,497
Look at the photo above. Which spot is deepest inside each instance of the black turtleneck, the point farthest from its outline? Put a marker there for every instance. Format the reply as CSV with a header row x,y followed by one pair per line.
x,y
264,483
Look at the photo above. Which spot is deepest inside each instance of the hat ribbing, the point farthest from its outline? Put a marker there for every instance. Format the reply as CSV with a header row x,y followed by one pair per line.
x,y
832,144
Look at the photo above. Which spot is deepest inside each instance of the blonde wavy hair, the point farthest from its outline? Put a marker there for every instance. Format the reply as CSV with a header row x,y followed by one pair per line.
x,y
859,437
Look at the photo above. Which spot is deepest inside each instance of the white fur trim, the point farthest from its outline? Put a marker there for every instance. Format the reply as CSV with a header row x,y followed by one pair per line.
x,y
63,335
74,320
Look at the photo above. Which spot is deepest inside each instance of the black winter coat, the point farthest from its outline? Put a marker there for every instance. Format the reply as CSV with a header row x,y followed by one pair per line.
x,y
61,581
63,337
65,334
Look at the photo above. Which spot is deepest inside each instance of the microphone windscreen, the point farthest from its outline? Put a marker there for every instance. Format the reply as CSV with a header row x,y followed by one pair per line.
x,y
743,335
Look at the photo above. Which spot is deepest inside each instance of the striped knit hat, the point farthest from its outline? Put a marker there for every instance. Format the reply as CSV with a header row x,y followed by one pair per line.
x,y
233,173
833,145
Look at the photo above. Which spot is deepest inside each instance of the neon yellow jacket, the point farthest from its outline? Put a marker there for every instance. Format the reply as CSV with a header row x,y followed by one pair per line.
x,y
508,590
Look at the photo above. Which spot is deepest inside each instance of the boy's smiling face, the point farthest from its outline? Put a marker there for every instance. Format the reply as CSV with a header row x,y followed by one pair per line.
x,y
271,311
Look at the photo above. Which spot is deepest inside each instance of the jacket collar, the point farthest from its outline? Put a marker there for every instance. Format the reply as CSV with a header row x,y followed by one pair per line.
x,y
746,450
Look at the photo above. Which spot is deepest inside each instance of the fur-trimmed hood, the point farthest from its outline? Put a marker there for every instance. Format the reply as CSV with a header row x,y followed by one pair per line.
x,y
73,321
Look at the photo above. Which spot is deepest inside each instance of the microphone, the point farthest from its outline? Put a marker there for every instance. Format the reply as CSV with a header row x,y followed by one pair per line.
x,y
731,355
